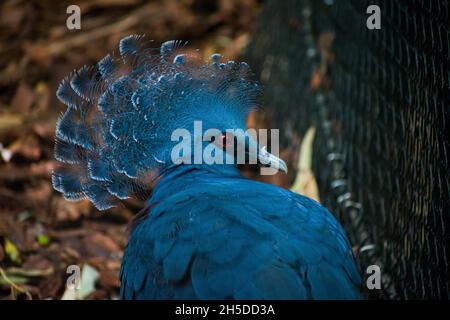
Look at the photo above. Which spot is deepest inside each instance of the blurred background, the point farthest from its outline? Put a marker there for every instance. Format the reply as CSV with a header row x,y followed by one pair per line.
x,y
363,118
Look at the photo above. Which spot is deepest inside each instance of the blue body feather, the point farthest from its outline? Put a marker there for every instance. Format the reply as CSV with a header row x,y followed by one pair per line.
x,y
209,233
209,244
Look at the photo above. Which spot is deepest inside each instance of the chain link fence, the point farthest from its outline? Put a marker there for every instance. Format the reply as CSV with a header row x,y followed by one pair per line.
x,y
379,100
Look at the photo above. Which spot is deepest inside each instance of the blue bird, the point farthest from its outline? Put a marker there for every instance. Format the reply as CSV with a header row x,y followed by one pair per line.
x,y
206,232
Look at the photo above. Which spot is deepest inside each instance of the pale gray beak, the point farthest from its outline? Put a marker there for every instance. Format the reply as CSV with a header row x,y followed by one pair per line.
x,y
258,155
267,159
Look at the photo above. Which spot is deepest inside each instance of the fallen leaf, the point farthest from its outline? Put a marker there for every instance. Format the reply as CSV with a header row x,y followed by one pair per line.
x,y
305,182
50,286
109,279
12,278
37,262
69,294
98,295
9,121
43,240
70,211
5,153
42,97
72,253
23,99
11,17
100,245
13,283
2,254
39,192
24,215
88,279
12,251
28,146
29,273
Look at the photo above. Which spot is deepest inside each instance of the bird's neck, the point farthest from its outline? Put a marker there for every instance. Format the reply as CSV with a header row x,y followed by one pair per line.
x,y
185,176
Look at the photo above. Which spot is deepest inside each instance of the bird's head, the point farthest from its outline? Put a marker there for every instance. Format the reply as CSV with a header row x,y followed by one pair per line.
x,y
150,109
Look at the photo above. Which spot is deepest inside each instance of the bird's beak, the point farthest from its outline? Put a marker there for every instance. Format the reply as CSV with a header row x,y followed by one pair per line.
x,y
260,155
269,160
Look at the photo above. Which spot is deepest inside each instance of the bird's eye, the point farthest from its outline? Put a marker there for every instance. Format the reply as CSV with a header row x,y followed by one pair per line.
x,y
224,140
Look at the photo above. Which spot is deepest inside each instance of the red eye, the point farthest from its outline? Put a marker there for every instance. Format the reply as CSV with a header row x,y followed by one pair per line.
x,y
224,140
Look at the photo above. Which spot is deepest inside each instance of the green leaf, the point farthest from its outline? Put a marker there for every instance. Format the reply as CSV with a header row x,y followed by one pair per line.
x,y
15,279
43,240
12,251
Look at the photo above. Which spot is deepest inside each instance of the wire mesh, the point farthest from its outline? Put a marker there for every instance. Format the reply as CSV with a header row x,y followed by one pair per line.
x,y
381,110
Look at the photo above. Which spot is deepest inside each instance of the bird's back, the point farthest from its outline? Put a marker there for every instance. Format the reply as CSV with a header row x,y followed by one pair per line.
x,y
221,236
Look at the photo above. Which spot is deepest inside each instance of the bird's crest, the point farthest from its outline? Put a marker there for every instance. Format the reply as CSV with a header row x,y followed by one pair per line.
x,y
120,114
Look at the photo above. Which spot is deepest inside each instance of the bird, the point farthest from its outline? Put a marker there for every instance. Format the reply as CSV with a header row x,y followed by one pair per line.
x,y
205,231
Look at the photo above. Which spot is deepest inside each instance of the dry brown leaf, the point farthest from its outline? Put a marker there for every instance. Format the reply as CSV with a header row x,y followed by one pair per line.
x,y
28,146
99,245
11,17
8,121
23,99
109,279
2,254
37,262
70,211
